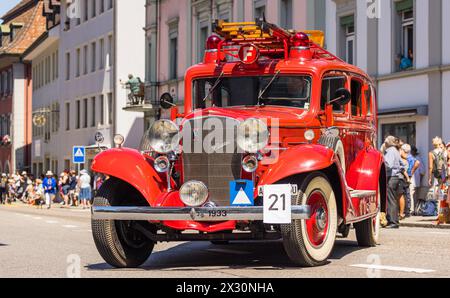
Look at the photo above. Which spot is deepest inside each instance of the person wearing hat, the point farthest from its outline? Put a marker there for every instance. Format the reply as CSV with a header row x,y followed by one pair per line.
x,y
49,184
39,193
3,186
85,189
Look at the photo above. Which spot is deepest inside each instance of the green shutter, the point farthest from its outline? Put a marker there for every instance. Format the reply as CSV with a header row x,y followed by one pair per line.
x,y
404,5
348,20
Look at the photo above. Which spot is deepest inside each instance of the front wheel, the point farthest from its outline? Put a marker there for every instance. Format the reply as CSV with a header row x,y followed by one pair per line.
x,y
309,243
119,244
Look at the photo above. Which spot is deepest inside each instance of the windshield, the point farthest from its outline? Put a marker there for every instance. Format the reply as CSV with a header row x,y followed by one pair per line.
x,y
288,91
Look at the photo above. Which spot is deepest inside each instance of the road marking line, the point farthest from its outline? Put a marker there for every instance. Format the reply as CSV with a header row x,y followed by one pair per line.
x,y
38,218
393,268
51,222
69,226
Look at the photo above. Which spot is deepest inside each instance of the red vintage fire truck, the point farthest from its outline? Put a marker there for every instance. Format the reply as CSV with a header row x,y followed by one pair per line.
x,y
276,142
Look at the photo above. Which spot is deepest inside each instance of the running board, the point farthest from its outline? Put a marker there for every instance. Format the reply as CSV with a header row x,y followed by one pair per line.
x,y
359,194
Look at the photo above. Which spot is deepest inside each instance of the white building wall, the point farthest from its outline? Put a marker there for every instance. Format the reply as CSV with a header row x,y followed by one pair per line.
x,y
445,32
44,97
361,34
18,117
331,27
422,36
129,59
403,92
127,55
85,86
385,38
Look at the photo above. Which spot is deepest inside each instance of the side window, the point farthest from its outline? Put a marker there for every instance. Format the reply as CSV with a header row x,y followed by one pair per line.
x,y
356,98
329,87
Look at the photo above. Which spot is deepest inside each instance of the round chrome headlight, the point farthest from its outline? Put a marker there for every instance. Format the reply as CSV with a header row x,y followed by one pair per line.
x,y
164,136
252,135
194,193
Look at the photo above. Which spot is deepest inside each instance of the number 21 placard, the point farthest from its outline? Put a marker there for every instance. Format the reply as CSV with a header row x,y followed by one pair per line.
x,y
277,204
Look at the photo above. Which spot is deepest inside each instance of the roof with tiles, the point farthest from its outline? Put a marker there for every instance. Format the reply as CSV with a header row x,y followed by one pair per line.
x,y
26,22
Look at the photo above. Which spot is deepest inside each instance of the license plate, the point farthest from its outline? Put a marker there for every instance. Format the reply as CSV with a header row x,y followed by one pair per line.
x,y
277,204
216,213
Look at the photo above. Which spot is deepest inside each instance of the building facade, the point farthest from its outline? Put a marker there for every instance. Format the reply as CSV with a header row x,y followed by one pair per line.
x,y
21,26
176,32
405,46
78,69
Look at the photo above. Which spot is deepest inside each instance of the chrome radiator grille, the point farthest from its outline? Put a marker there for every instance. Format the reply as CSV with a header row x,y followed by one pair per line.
x,y
215,169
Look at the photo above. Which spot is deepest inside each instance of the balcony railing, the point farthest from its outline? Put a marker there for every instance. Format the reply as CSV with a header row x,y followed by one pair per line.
x,y
141,100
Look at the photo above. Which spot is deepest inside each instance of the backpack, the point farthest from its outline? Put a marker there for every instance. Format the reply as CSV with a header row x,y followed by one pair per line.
x,y
439,165
427,209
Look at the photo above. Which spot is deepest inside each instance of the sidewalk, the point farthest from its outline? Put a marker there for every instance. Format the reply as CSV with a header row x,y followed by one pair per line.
x,y
423,222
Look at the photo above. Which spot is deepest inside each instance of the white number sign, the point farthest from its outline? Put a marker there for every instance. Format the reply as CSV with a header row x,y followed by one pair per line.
x,y
277,204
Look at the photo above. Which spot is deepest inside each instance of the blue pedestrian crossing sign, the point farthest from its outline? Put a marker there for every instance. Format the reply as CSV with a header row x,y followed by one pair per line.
x,y
79,154
241,193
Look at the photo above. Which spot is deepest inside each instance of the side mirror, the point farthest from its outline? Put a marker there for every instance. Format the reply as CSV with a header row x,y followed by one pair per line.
x,y
341,97
166,101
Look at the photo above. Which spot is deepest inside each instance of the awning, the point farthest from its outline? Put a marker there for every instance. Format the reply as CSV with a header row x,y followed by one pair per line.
x,y
404,112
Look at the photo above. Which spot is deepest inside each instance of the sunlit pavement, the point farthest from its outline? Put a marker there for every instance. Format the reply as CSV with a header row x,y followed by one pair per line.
x,y
58,243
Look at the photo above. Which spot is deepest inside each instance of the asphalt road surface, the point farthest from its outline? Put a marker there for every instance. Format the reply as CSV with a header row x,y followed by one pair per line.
x,y
58,243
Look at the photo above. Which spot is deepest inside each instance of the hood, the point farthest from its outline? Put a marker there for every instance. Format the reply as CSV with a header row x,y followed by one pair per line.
x,y
286,116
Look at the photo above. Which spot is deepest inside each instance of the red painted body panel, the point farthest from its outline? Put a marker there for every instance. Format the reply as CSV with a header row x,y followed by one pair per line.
x,y
298,160
132,167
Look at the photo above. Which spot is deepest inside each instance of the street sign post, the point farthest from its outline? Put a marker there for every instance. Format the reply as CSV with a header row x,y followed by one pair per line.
x,y
78,155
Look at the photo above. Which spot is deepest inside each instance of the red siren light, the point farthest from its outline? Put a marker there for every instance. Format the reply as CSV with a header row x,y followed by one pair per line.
x,y
249,54
300,39
212,43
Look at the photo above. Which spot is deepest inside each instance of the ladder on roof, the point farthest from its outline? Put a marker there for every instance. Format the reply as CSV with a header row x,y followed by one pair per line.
x,y
269,37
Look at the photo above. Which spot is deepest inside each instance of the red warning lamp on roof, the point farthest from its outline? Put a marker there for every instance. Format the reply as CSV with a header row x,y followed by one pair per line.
x,y
300,39
212,43
249,54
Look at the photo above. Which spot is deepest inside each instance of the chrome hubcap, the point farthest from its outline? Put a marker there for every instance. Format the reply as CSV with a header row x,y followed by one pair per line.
x,y
321,219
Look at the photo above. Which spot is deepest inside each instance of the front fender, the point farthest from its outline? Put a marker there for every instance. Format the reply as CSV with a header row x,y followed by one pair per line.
x,y
132,167
298,160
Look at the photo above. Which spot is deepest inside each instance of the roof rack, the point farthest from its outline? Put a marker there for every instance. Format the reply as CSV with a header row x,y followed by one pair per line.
x,y
269,38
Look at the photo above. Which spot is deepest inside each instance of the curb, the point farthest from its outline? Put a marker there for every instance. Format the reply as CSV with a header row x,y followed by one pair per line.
x,y
427,226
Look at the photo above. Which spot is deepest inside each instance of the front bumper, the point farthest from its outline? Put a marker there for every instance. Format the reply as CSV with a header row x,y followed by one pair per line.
x,y
194,214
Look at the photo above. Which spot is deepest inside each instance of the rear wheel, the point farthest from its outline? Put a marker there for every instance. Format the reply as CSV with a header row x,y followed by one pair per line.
x,y
119,244
368,231
310,242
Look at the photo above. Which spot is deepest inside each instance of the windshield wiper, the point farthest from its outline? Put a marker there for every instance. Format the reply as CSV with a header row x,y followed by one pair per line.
x,y
213,88
267,87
